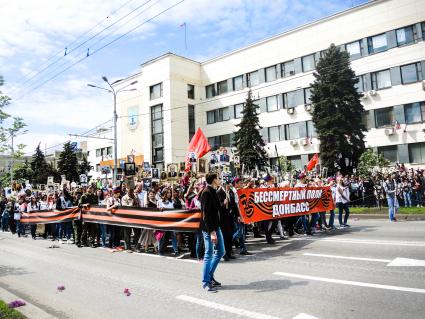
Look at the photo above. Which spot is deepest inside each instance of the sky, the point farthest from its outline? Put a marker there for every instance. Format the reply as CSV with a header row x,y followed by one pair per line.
x,y
49,89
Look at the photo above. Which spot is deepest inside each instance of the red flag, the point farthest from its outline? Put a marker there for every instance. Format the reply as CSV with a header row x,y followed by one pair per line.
x,y
198,145
313,162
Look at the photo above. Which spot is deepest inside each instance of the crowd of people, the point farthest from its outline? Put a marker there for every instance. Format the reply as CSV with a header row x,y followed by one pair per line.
x,y
401,186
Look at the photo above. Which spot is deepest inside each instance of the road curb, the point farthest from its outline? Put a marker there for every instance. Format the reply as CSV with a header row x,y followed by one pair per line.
x,y
410,217
29,310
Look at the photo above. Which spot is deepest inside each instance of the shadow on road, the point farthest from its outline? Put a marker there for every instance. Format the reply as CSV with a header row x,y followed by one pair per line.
x,y
12,271
266,285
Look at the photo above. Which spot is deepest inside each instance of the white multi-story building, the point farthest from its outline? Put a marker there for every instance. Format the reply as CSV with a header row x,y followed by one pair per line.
x,y
385,40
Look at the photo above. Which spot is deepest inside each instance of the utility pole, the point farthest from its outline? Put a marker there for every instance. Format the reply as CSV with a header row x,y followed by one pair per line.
x,y
11,165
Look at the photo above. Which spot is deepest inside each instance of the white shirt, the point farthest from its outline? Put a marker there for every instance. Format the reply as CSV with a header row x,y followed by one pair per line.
x,y
342,194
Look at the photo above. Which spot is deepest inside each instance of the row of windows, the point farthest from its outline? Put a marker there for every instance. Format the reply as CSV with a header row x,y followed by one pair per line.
x,y
221,141
287,132
408,113
267,104
356,49
157,136
155,91
416,153
405,74
104,151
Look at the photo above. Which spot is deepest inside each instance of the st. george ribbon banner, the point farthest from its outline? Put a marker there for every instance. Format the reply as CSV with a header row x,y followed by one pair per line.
x,y
51,216
274,203
173,220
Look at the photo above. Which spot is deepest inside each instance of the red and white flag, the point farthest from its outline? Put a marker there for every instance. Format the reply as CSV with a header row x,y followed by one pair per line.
x,y
313,162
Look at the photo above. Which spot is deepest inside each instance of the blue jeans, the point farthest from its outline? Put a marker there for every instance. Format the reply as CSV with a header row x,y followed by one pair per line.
x,y
392,206
5,223
407,196
212,256
341,207
20,228
418,197
331,218
102,229
239,234
198,245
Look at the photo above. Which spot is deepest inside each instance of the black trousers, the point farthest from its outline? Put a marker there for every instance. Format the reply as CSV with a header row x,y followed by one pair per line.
x,y
227,231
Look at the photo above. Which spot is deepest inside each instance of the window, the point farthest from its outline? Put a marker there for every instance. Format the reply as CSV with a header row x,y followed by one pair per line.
x,y
109,150
220,141
311,130
296,130
224,113
389,152
377,43
417,152
414,112
253,79
291,99
381,79
309,62
354,49
411,73
191,118
238,110
99,152
222,87
157,136
190,91
210,91
405,35
271,73
360,85
211,117
155,91
307,95
272,104
384,117
238,83
295,161
423,30
274,134
288,68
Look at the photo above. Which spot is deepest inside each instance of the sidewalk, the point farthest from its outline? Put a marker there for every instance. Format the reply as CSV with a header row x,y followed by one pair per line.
x,y
384,215
29,310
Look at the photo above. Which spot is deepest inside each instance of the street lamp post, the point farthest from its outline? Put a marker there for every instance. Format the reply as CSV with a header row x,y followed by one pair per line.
x,y
115,118
12,135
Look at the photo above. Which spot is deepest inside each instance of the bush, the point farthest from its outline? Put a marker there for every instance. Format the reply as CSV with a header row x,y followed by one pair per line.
x,y
8,313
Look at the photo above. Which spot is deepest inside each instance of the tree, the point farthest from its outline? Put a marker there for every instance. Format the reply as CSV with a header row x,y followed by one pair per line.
x,y
23,172
84,167
370,162
337,113
68,162
39,167
285,165
249,144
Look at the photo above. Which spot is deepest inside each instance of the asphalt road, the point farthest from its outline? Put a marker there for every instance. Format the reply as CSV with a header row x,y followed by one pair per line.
x,y
305,277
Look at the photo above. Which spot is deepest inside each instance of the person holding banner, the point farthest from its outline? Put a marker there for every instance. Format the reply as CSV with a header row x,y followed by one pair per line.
x,y
213,238
112,203
342,199
33,206
239,228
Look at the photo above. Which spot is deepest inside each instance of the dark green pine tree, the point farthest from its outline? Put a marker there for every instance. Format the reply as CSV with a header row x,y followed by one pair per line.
x,y
23,172
68,162
84,167
38,166
337,113
248,141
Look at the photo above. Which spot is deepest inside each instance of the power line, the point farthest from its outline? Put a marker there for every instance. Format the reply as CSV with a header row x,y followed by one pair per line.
x,y
99,49
66,52
23,86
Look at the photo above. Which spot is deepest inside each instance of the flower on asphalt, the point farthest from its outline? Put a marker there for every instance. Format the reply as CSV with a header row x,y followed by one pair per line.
x,y
61,288
16,303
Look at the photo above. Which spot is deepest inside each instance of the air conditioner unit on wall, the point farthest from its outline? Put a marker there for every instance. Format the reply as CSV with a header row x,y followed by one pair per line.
x,y
372,93
293,142
308,107
389,131
304,141
291,110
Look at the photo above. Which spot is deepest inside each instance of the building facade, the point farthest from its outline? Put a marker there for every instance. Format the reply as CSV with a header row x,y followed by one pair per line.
x,y
385,41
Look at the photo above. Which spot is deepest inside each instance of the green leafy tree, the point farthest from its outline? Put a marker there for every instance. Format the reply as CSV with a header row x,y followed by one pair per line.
x,y
39,167
68,162
371,162
249,144
23,172
84,167
285,165
337,113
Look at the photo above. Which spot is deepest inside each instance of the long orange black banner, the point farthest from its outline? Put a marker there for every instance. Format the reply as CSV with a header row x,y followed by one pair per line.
x,y
275,203
173,220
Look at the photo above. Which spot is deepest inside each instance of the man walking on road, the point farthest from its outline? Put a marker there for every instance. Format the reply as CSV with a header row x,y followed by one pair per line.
x,y
213,238
391,188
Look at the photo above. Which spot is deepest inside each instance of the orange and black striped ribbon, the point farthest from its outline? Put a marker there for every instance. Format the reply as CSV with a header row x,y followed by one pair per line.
x,y
173,220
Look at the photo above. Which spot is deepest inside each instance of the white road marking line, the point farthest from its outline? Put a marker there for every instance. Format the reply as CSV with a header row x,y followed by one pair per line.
x,y
366,242
350,258
406,262
230,309
351,283
304,316
168,257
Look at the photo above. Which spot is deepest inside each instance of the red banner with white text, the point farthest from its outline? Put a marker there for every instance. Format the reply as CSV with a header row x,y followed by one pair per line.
x,y
274,203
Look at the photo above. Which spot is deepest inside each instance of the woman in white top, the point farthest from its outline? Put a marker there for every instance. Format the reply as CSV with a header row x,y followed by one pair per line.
x,y
342,198
166,202
33,206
